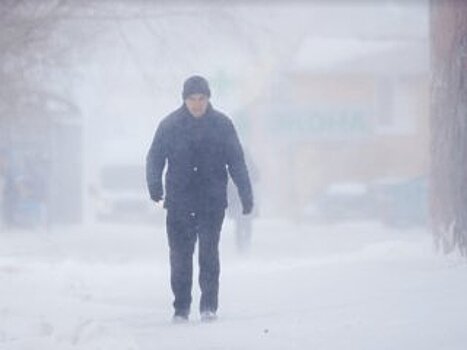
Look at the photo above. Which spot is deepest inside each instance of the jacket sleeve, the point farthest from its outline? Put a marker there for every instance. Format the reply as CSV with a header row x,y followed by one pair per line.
x,y
238,169
155,163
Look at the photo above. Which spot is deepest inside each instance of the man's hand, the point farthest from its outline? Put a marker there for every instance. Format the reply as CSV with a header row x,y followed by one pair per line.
x,y
247,208
156,197
158,200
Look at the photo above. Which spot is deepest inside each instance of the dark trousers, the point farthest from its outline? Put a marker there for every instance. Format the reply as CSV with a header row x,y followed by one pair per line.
x,y
183,230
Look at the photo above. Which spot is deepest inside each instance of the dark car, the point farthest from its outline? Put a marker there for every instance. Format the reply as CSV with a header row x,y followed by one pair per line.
x,y
401,203
396,202
342,201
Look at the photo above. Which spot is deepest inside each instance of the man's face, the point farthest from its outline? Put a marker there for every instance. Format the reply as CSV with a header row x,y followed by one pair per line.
x,y
197,104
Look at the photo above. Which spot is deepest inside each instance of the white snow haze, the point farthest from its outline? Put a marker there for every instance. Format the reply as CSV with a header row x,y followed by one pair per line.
x,y
331,104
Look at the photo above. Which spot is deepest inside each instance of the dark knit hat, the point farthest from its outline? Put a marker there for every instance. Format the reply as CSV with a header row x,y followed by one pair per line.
x,y
196,85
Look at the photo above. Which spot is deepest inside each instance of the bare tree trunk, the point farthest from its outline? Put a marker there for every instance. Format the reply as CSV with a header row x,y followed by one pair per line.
x,y
449,124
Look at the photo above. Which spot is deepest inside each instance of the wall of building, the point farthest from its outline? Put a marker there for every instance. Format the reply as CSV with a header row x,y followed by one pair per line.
x,y
325,129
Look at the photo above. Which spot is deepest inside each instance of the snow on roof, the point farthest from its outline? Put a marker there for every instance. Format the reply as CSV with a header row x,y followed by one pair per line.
x,y
352,55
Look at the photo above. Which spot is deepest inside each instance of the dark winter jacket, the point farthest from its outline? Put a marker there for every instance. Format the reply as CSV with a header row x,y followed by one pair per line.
x,y
198,151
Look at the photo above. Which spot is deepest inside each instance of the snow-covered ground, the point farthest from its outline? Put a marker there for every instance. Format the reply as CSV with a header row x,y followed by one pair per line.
x,y
353,286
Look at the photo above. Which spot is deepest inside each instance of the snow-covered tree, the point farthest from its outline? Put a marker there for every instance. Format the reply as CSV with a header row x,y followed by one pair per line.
x,y
449,124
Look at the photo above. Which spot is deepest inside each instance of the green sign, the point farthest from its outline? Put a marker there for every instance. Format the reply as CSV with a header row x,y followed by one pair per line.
x,y
320,123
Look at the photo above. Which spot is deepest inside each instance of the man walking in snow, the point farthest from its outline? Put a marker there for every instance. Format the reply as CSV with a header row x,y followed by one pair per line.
x,y
200,146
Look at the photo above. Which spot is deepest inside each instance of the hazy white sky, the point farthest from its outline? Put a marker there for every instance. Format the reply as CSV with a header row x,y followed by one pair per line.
x,y
132,73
